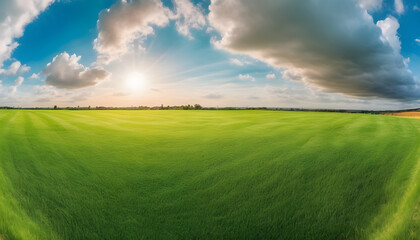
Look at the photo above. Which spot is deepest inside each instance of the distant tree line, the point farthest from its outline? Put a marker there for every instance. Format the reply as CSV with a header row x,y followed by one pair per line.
x,y
199,107
161,107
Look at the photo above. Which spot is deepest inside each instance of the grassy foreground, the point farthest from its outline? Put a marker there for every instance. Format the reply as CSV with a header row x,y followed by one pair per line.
x,y
207,174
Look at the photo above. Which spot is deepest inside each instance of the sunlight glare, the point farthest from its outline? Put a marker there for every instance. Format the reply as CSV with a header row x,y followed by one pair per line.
x,y
134,81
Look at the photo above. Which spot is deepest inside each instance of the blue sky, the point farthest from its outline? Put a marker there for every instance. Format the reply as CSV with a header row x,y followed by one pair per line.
x,y
409,29
352,55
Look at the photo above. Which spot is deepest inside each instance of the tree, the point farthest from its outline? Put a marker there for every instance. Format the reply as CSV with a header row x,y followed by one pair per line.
x,y
198,107
55,107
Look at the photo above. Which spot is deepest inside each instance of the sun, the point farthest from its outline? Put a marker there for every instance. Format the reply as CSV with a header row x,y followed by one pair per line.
x,y
134,81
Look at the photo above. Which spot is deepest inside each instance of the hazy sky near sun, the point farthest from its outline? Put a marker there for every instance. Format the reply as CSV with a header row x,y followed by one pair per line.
x,y
353,54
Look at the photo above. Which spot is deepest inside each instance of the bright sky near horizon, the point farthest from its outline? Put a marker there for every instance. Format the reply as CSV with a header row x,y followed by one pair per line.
x,y
348,54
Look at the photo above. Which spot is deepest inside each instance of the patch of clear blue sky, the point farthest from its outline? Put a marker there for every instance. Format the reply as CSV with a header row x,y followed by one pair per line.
x,y
65,26
197,57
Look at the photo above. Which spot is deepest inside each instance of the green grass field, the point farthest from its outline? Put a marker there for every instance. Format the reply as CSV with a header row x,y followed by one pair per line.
x,y
208,175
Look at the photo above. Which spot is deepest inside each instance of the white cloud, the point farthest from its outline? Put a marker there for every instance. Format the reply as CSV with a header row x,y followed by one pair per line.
x,y
335,45
188,17
417,40
14,16
65,72
271,76
16,84
240,62
399,6
34,76
16,68
246,77
125,22
237,62
389,28
370,4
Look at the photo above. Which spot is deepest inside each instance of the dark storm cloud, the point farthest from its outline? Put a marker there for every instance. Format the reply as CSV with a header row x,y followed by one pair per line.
x,y
334,45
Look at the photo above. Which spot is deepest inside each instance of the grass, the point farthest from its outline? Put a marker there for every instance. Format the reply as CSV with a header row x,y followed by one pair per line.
x,y
207,175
